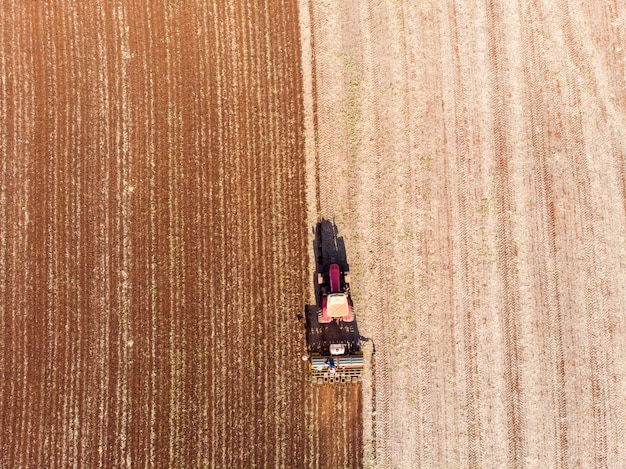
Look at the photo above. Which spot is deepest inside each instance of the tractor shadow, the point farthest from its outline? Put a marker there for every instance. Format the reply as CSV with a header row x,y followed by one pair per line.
x,y
329,248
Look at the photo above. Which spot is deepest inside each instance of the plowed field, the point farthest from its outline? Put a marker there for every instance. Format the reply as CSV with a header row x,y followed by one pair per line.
x,y
473,157
153,253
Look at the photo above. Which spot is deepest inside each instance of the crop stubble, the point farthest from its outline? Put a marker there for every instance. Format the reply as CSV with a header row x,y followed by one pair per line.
x,y
472,156
152,245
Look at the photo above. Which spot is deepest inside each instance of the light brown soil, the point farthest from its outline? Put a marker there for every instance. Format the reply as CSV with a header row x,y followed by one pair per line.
x,y
473,157
153,252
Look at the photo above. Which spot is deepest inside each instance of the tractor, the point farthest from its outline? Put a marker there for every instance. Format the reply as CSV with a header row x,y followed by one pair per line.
x,y
335,355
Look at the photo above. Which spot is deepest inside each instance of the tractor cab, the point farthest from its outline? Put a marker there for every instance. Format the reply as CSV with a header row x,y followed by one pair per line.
x,y
336,302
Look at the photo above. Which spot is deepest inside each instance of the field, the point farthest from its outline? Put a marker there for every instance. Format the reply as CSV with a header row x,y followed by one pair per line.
x,y
163,166
473,157
153,242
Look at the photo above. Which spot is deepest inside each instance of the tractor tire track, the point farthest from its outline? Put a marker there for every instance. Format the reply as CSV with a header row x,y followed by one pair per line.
x,y
460,180
507,249
550,281
596,308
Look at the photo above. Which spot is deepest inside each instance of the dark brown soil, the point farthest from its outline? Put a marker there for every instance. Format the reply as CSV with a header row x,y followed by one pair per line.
x,y
153,249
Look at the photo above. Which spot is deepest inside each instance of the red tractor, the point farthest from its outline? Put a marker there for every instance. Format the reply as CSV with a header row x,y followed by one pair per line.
x,y
335,290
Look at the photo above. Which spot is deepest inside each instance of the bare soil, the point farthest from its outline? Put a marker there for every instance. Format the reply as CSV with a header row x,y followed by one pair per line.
x,y
153,249
473,157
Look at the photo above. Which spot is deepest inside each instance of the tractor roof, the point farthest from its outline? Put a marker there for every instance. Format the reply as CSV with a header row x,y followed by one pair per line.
x,y
337,305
